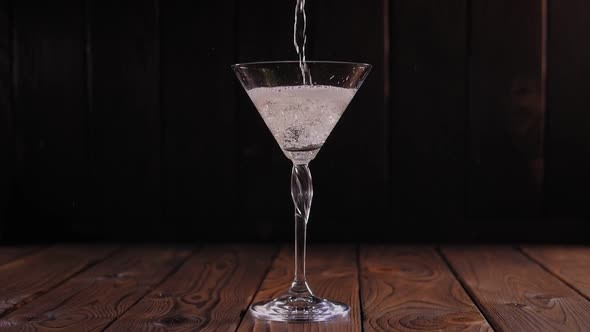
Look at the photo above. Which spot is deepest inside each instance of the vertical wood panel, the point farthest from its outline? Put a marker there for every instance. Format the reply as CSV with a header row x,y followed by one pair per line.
x,y
428,116
351,169
568,120
467,118
124,126
506,111
264,32
6,138
50,116
199,115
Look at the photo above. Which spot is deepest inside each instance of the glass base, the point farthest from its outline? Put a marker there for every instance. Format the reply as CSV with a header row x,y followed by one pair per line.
x,y
290,308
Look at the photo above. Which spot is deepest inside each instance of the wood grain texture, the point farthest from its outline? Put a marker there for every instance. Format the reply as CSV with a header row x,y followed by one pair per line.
x,y
570,263
50,119
362,131
208,293
568,99
8,254
93,299
428,55
124,122
7,150
515,293
506,113
331,273
27,278
199,111
411,289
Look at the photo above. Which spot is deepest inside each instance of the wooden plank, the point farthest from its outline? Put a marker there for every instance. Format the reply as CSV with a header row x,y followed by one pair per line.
x,y
7,151
363,130
208,293
429,139
198,101
506,114
332,273
515,293
50,117
570,263
8,254
264,32
411,288
27,278
93,299
568,99
124,123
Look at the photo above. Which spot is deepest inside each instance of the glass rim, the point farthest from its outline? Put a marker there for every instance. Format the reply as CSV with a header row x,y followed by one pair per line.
x,y
363,64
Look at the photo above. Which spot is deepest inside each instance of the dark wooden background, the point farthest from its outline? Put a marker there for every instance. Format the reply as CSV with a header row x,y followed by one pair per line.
x,y
121,120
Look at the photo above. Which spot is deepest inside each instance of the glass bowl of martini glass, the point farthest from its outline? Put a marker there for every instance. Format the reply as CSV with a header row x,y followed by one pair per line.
x,y
300,104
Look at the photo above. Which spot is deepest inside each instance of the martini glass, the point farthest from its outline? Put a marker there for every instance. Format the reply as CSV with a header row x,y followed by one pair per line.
x,y
300,117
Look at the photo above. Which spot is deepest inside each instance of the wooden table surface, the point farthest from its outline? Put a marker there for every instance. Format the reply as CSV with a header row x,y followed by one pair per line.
x,y
209,288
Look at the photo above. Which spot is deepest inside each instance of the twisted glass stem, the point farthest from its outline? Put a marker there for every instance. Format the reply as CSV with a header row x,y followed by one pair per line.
x,y
302,193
